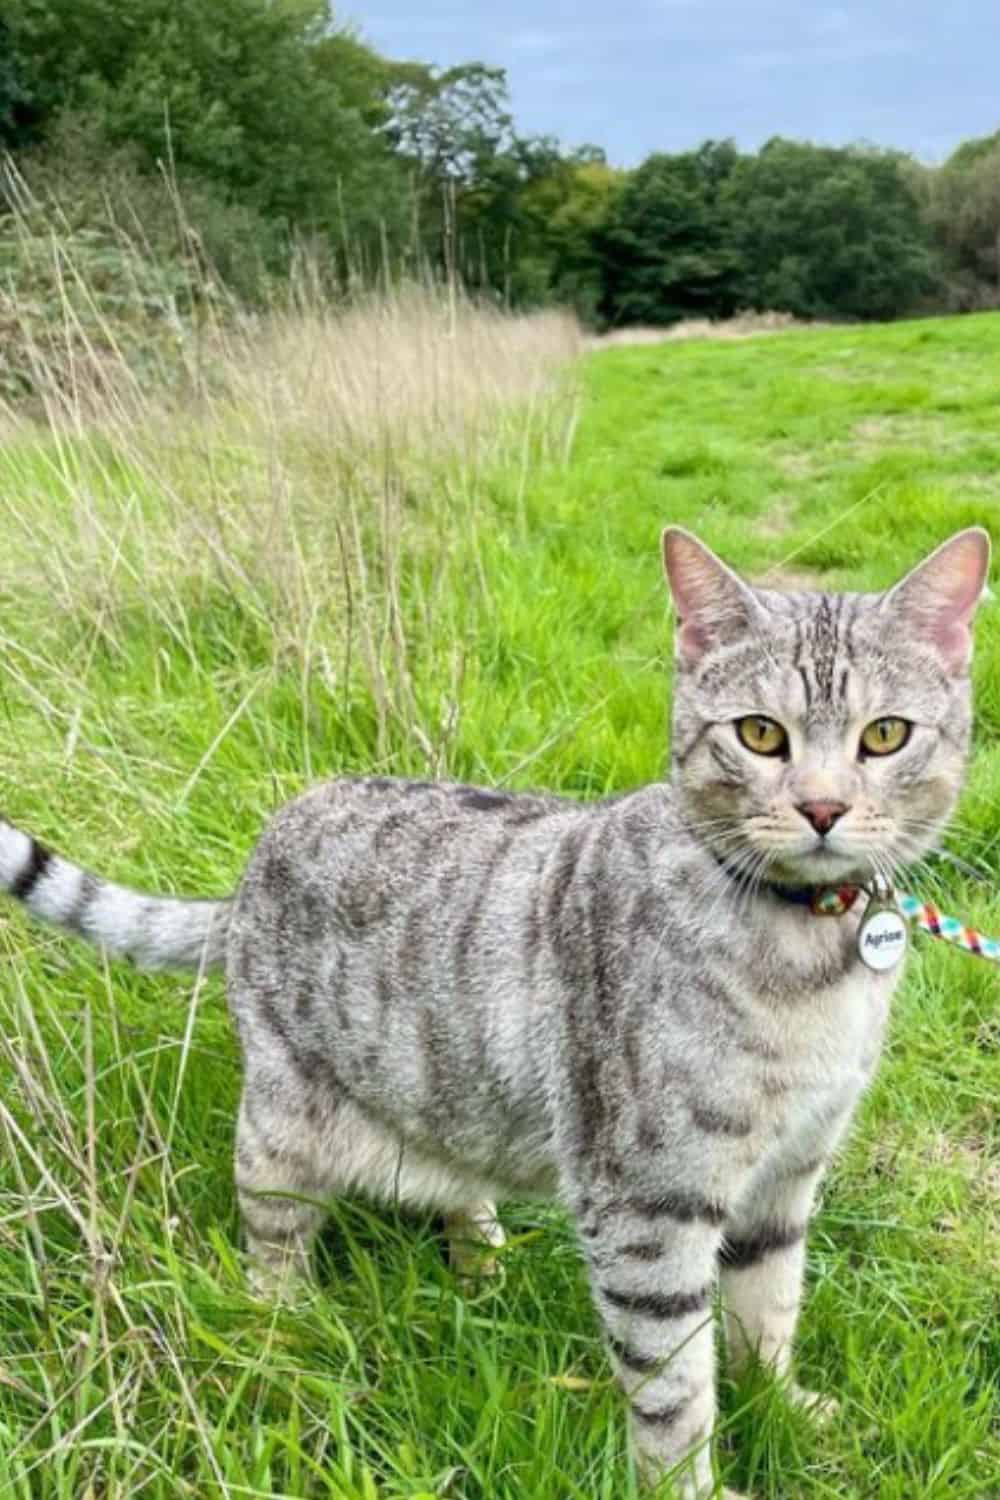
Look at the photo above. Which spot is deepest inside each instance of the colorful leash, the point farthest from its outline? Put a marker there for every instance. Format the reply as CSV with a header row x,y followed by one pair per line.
x,y
927,916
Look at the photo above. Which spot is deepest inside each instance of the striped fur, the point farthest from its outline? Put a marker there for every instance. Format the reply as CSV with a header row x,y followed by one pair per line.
x,y
445,993
154,932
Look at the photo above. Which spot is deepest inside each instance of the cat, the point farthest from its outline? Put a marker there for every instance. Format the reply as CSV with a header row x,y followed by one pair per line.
x,y
445,993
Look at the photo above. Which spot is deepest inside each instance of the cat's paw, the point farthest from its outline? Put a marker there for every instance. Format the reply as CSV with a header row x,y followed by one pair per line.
x,y
822,1409
471,1237
285,1285
470,1262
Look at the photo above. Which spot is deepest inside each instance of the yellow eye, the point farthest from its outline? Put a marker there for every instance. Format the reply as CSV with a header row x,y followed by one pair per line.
x,y
885,736
762,736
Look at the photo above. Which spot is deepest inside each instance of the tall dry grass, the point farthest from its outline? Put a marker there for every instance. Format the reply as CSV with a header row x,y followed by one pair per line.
x,y
296,463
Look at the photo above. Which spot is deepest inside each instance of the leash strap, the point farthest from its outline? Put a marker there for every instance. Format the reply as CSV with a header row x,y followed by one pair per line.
x,y
949,929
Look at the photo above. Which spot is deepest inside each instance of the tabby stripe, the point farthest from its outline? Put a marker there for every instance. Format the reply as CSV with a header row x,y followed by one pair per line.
x,y
87,892
643,1250
660,1416
38,862
727,763
660,1304
686,1208
716,1122
633,1360
806,688
739,1254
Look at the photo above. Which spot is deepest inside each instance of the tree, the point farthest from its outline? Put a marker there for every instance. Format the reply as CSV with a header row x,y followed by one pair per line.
x,y
19,117
961,208
565,209
824,232
666,246
250,95
447,122
971,151
485,192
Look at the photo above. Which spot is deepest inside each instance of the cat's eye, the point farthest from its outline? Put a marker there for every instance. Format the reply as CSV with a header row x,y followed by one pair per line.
x,y
885,736
762,736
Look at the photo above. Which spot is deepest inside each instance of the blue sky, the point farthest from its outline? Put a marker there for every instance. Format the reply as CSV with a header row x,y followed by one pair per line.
x,y
645,75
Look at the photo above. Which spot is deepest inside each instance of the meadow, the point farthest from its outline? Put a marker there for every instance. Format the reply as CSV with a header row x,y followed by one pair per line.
x,y
423,538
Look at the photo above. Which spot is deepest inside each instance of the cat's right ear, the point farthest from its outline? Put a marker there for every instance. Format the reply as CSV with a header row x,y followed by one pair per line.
x,y
711,602
939,597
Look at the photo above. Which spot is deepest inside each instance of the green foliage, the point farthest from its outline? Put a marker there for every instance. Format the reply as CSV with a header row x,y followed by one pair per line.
x,y
449,121
971,151
961,205
17,114
472,176
101,266
236,93
804,229
565,210
822,232
666,245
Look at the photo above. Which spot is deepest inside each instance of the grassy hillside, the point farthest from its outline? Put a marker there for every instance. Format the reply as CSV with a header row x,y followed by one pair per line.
x,y
419,542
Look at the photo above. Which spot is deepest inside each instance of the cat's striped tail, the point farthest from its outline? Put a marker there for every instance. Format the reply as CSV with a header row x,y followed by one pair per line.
x,y
155,932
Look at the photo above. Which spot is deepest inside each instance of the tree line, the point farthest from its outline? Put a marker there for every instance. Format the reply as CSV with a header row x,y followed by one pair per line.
x,y
278,127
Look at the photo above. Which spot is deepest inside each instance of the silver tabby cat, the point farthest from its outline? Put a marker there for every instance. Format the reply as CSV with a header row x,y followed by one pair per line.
x,y
446,994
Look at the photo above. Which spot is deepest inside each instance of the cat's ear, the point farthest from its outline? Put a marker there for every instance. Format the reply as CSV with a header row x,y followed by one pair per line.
x,y
938,599
711,602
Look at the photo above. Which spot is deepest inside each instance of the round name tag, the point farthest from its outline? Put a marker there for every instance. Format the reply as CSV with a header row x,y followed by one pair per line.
x,y
882,938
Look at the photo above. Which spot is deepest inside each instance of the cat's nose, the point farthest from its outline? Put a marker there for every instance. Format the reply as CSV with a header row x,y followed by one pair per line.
x,y
822,815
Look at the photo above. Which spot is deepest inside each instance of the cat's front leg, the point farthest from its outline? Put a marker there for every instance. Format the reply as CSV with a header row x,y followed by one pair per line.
x,y
762,1261
652,1264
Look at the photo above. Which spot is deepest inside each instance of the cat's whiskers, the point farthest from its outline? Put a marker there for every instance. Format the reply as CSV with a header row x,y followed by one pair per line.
x,y
712,885
756,876
916,869
740,877
938,831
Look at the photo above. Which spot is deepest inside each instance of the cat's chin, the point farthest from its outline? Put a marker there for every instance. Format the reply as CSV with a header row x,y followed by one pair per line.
x,y
821,867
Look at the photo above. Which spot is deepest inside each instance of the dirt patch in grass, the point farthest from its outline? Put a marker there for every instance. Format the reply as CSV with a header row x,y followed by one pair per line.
x,y
777,521
789,577
873,429
981,483
797,465
920,428
972,1157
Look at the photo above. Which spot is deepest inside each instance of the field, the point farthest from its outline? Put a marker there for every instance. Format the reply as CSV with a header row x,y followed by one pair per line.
x,y
425,541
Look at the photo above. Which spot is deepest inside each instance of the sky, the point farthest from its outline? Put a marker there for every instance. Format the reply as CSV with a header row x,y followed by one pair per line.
x,y
663,75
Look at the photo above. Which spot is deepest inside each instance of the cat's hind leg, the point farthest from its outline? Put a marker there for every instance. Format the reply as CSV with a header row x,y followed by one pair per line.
x,y
280,1187
296,1151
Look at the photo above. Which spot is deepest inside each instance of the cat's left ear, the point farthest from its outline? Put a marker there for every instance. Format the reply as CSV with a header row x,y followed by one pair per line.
x,y
713,604
938,599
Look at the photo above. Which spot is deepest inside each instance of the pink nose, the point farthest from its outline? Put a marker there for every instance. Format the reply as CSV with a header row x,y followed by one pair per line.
x,y
822,815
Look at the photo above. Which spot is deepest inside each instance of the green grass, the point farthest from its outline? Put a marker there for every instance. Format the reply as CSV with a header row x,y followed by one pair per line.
x,y
197,619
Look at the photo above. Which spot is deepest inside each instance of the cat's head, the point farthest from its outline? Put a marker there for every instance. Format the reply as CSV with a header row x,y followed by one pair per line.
x,y
821,738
